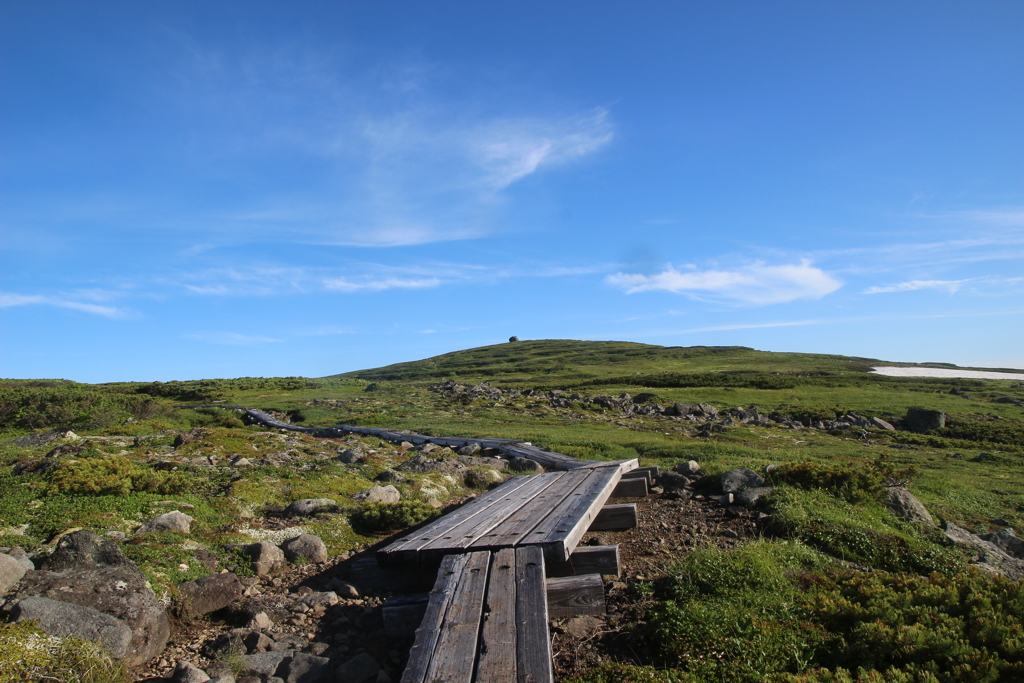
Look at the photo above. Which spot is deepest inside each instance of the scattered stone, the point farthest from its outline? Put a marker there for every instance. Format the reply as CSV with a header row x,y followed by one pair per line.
x,y
304,668
326,599
687,469
260,621
168,522
191,436
673,482
360,669
257,642
265,663
379,494
473,461
581,627
469,449
266,557
391,477
906,506
739,479
11,571
352,456
210,593
306,507
421,464
343,588
59,618
525,465
481,478
879,423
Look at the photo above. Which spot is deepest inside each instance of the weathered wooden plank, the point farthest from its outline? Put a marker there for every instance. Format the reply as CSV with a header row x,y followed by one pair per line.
x,y
425,643
592,559
476,531
403,615
455,653
533,641
438,527
519,527
615,518
631,488
563,529
651,473
497,662
574,596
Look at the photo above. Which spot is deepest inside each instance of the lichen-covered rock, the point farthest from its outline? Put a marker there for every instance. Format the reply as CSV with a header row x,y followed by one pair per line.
x,y
11,572
266,557
690,468
59,618
379,494
906,506
174,521
739,479
308,506
305,548
90,571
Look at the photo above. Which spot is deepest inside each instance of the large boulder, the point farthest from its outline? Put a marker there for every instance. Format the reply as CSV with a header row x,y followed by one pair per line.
x,y
740,478
210,593
906,506
379,494
59,618
305,548
91,571
11,572
922,420
175,522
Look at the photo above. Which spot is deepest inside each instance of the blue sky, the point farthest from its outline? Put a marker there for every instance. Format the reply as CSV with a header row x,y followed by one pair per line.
x,y
222,189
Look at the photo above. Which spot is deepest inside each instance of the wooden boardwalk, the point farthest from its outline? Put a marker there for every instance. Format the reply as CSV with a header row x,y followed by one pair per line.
x,y
551,511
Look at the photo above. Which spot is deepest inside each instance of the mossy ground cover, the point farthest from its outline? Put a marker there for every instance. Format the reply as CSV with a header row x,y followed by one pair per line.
x,y
760,626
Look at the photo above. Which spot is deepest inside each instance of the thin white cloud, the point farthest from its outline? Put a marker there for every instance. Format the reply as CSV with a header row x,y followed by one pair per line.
x,y
229,338
8,300
758,283
950,286
342,284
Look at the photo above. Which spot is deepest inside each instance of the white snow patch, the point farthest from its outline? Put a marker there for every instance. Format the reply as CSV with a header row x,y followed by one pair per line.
x,y
891,371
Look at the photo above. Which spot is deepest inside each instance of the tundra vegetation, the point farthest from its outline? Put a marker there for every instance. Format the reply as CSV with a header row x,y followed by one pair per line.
x,y
838,589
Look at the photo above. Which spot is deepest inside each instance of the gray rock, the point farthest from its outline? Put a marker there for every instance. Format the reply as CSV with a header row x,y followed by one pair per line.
x,y
739,479
379,494
266,557
265,663
210,593
11,572
672,482
325,598
260,621
752,495
990,557
360,669
308,506
25,561
257,642
428,447
879,423
352,456
524,465
303,668
343,588
223,678
469,449
1007,541
922,420
66,619
472,461
91,571
481,478
305,548
174,521
391,477
906,506
185,672
513,339
33,440
687,469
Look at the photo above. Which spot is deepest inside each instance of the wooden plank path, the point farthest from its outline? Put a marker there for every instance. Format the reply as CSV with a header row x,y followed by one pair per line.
x,y
487,621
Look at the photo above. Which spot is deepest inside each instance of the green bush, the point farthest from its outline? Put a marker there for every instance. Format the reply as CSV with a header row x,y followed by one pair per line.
x,y
376,517
113,476
28,654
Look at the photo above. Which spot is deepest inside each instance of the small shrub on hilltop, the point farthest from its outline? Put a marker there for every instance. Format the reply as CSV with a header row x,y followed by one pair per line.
x,y
376,517
113,476
28,654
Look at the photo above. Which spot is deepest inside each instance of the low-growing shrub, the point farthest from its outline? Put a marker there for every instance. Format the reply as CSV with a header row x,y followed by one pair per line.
x,y
113,476
376,517
852,483
29,654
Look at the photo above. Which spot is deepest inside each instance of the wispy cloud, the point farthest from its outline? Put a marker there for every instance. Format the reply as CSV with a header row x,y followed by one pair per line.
x,y
346,285
229,338
758,283
8,300
950,286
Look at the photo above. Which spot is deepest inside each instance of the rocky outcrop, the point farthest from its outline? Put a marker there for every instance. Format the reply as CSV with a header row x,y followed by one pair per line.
x,y
90,571
906,506
210,593
988,556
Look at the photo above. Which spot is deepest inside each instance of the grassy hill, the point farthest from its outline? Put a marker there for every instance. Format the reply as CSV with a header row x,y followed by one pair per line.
x,y
826,566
